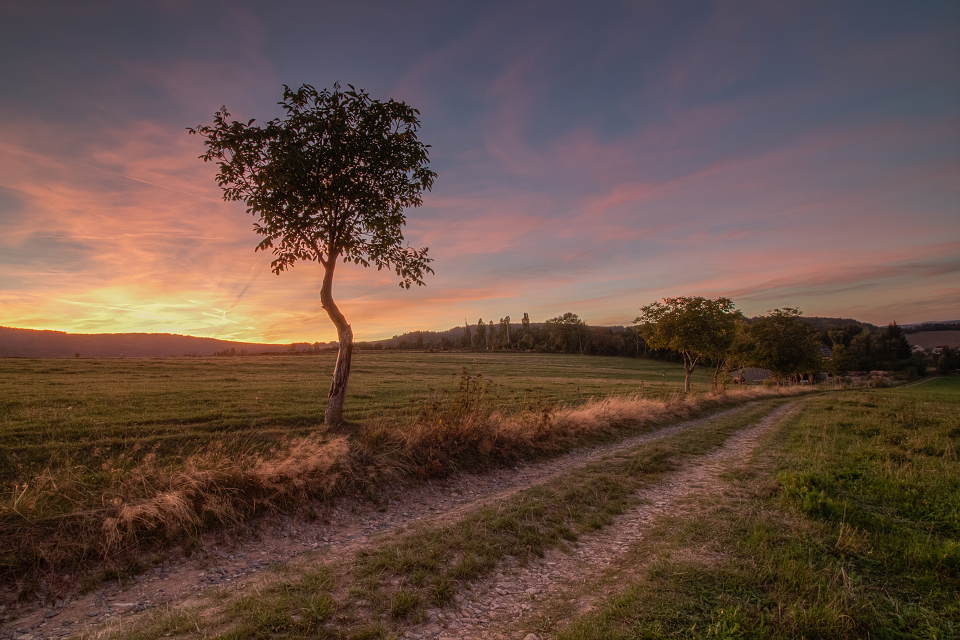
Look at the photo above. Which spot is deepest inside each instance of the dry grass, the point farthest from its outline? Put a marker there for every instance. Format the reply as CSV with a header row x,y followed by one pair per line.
x,y
213,483
149,501
465,432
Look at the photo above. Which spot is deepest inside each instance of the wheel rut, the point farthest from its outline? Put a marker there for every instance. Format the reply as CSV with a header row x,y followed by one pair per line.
x,y
508,603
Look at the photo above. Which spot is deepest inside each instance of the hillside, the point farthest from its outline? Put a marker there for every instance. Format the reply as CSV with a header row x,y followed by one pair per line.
x,y
32,343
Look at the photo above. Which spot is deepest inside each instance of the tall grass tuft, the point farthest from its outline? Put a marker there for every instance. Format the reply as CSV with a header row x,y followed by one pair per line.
x,y
215,483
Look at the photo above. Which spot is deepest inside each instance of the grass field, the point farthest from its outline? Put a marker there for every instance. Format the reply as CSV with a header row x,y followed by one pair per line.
x,y
55,408
845,523
99,451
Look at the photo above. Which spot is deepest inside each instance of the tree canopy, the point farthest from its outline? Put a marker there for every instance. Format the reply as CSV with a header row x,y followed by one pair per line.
x,y
694,326
567,333
328,182
785,343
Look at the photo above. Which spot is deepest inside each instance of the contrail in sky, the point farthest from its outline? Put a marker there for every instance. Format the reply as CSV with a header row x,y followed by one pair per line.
x,y
197,195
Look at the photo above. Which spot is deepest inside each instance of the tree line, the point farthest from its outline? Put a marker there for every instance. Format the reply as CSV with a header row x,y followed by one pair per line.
x,y
566,333
707,332
714,332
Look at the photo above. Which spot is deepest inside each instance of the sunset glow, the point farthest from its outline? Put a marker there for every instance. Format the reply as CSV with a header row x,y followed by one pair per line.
x,y
591,157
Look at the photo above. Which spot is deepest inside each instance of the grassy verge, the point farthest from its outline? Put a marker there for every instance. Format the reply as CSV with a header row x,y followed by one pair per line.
x,y
848,527
115,504
393,582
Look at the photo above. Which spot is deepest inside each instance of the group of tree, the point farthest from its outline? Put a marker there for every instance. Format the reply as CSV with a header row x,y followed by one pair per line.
x,y
858,348
715,332
566,333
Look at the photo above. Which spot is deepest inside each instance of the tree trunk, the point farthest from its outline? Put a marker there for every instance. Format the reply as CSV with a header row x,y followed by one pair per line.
x,y
689,364
341,372
341,375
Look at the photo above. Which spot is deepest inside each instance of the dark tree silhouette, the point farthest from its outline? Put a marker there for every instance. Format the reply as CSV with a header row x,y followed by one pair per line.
x,y
328,182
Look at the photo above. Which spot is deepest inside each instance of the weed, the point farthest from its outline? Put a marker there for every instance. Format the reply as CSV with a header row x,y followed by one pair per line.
x,y
441,592
404,603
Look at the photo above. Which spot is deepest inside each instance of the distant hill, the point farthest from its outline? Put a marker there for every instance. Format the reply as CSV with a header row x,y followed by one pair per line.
x,y
32,343
952,325
931,339
833,323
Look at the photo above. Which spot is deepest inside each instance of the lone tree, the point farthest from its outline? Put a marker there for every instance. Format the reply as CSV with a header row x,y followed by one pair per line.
x,y
328,182
696,327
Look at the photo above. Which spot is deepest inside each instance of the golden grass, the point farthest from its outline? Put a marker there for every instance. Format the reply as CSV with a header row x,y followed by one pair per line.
x,y
213,483
459,434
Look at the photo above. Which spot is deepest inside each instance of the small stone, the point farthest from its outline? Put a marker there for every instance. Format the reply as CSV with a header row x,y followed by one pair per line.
x,y
51,614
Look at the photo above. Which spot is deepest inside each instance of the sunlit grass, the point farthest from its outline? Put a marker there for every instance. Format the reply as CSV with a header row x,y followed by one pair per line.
x,y
50,409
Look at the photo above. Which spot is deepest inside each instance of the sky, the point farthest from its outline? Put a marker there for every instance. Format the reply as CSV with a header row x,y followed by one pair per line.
x,y
591,157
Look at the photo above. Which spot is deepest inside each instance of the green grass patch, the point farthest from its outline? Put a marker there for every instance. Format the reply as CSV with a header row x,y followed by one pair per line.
x,y
848,530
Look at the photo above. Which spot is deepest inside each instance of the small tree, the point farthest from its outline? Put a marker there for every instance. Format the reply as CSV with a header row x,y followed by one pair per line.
x,y
329,182
696,327
785,343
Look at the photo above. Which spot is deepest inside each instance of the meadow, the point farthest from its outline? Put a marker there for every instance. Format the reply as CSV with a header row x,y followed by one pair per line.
x,y
845,525
145,443
62,411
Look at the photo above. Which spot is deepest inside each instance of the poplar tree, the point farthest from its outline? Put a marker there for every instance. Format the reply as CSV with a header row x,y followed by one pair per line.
x,y
480,339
